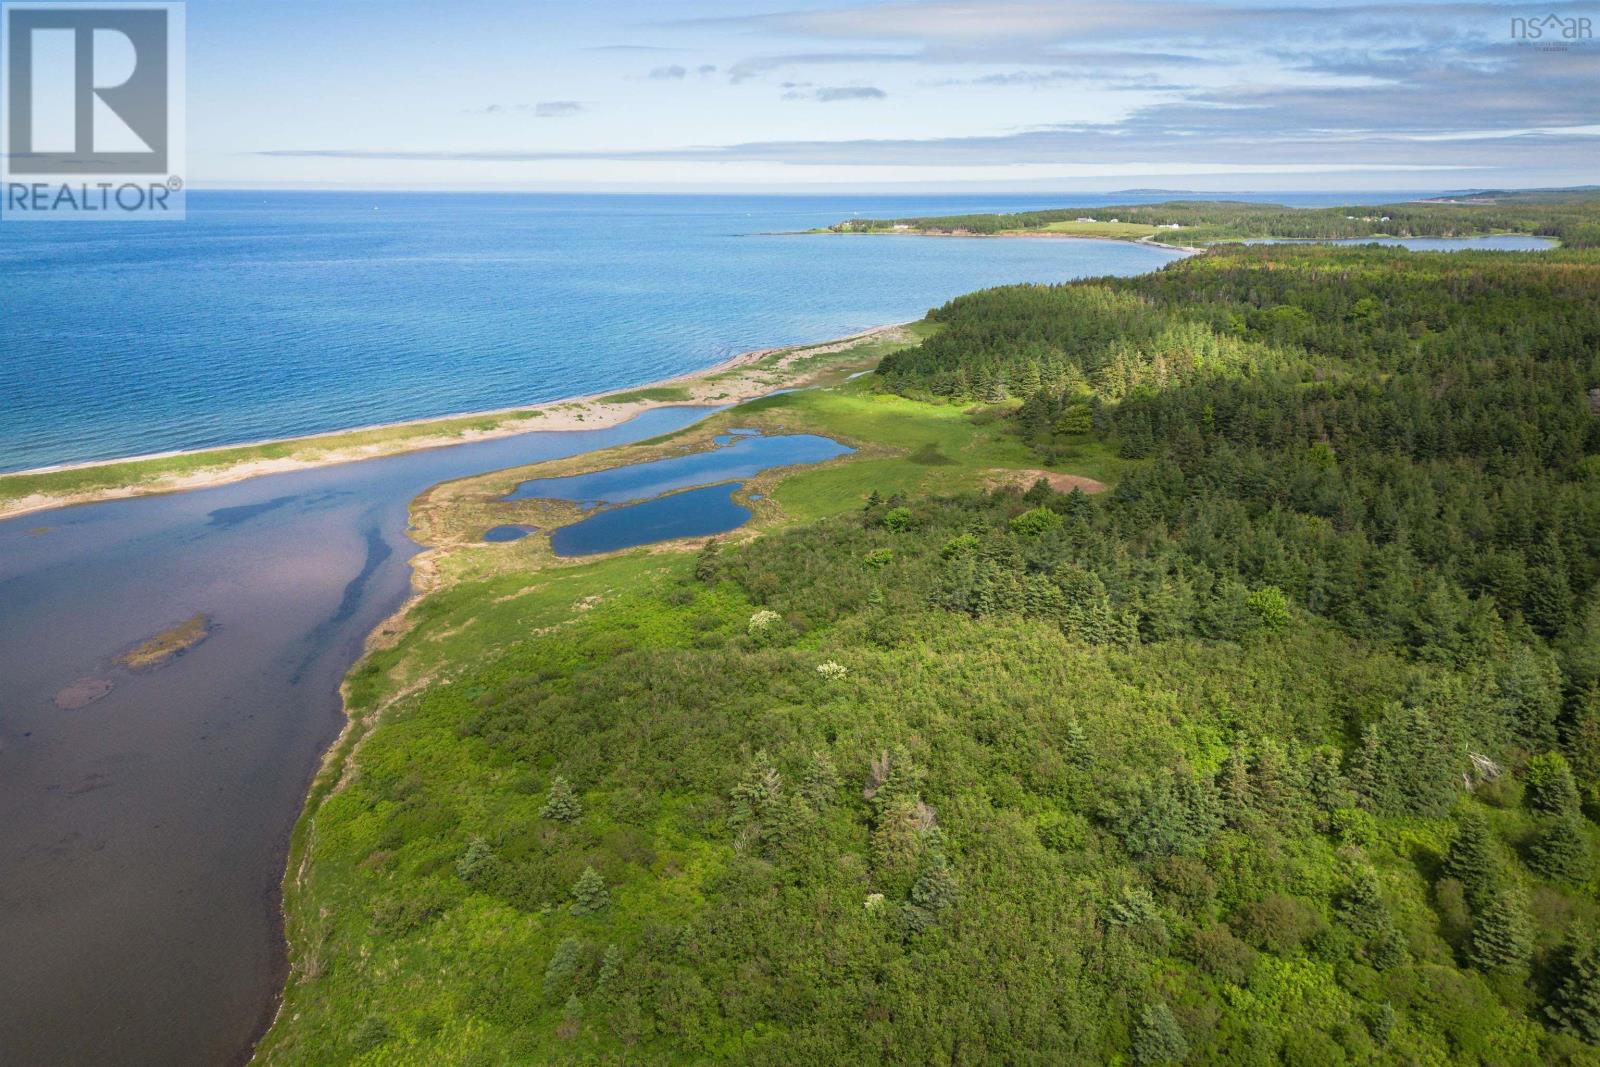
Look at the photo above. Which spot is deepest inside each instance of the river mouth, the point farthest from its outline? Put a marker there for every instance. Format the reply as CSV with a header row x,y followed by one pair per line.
x,y
144,825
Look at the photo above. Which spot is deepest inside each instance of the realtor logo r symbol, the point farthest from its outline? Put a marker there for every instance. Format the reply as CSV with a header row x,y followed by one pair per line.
x,y
87,90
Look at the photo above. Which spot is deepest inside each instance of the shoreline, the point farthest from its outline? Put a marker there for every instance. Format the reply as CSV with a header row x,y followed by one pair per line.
x,y
745,376
1146,241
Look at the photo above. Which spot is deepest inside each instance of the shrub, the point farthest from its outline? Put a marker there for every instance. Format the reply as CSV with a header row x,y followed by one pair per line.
x,y
897,519
1276,923
1217,952
1353,826
1035,522
1270,606
371,1033
960,546
878,558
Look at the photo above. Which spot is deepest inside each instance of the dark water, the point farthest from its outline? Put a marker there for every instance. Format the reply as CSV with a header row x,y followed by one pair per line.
x,y
142,836
275,314
692,513
510,532
738,456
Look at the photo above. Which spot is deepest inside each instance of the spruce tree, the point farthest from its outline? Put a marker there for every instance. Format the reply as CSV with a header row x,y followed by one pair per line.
x,y
1561,851
821,782
1361,906
1362,910
1233,788
1502,938
561,803
563,968
1575,1006
589,893
610,969
1550,786
1471,859
1157,1037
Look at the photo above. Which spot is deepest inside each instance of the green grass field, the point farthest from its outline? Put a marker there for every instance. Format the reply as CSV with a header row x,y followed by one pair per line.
x,y
1102,229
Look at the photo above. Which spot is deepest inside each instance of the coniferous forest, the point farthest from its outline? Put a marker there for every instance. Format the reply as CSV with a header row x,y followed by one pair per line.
x,y
1284,749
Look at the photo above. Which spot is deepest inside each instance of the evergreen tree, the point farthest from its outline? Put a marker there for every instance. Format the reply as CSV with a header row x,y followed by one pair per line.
x,y
1575,1006
1549,603
1471,859
1233,788
563,968
1380,1022
1361,905
1550,786
821,783
571,1016
1502,937
476,861
1561,851
707,565
1079,753
589,893
1157,1037
1362,910
610,970
1028,382
561,803
933,892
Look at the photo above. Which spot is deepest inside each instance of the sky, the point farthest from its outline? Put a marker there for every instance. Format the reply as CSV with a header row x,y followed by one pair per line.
x,y
1093,95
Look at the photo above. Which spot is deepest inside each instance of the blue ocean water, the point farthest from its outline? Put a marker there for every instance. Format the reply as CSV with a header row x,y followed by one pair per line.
x,y
275,314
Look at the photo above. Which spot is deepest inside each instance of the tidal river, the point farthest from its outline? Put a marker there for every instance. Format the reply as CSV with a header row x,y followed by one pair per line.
x,y
143,834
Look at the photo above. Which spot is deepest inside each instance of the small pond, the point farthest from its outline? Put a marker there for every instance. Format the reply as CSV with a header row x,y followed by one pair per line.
x,y
691,513
508,532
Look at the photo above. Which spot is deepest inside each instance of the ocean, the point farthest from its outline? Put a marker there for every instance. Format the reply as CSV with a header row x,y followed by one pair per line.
x,y
273,314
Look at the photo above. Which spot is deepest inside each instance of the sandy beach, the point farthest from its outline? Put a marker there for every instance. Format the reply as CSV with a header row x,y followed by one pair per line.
x,y
745,376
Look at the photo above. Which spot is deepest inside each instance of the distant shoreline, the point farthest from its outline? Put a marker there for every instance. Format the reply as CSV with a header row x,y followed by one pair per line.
x,y
1146,242
742,377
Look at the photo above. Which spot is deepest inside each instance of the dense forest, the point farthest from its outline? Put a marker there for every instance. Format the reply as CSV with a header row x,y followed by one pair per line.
x,y
1286,749
1570,218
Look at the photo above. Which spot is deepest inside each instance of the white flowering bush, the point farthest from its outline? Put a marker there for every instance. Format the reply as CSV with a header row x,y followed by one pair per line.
x,y
874,901
832,671
761,621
